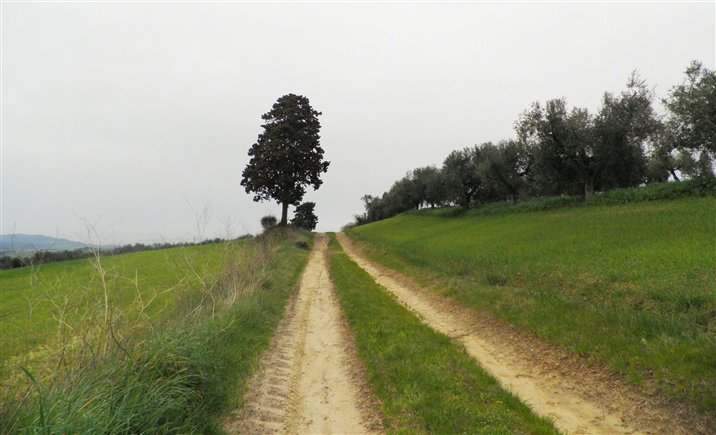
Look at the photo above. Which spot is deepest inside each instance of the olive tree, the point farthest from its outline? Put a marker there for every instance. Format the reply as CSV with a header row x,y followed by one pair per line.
x,y
692,109
462,176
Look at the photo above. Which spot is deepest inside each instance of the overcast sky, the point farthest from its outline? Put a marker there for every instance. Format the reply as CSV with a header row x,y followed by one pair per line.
x,y
124,114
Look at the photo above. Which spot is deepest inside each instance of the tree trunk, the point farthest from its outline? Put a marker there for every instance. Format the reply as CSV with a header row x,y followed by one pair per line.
x,y
284,214
467,198
673,174
589,188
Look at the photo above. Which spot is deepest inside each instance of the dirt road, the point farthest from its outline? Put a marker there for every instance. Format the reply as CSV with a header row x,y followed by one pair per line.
x,y
308,382
578,399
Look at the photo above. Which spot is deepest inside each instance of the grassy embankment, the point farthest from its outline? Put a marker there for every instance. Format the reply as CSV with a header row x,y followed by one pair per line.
x,y
172,366
630,286
425,382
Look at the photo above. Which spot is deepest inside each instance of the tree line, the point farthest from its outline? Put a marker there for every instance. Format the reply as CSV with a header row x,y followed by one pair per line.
x,y
560,150
41,257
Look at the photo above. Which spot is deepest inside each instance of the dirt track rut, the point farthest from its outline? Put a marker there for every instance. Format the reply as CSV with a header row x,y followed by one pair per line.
x,y
307,383
577,400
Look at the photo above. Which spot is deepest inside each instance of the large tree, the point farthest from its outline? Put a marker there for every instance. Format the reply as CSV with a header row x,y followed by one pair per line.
x,y
623,128
287,156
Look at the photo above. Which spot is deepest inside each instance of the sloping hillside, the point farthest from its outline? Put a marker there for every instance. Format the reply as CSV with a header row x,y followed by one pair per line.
x,y
630,286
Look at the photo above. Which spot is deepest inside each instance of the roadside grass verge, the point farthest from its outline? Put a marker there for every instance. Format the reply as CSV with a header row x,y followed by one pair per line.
x,y
630,286
424,381
178,378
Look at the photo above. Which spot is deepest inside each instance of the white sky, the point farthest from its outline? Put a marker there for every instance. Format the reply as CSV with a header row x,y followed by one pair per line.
x,y
121,113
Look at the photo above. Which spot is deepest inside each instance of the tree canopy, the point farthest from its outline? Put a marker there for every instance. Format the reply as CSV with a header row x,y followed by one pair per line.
x,y
569,151
692,106
575,148
287,157
462,179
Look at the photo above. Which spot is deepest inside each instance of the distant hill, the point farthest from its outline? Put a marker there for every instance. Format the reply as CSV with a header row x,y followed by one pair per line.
x,y
36,242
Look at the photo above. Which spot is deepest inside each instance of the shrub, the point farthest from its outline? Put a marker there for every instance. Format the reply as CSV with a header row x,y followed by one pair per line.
x,y
268,222
304,217
701,186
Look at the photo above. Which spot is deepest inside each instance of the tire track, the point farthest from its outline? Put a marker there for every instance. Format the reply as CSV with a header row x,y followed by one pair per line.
x,y
306,383
578,401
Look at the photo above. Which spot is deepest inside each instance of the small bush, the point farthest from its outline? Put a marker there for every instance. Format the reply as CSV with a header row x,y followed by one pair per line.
x,y
268,222
702,186
304,216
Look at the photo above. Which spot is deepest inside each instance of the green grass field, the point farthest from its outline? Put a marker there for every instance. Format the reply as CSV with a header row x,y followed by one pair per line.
x,y
425,382
188,365
36,300
631,286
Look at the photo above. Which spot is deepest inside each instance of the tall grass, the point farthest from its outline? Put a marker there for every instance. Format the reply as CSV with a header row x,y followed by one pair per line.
x,y
178,376
51,308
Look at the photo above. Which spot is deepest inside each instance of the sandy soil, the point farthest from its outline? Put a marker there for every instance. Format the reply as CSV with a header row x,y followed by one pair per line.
x,y
578,397
308,382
